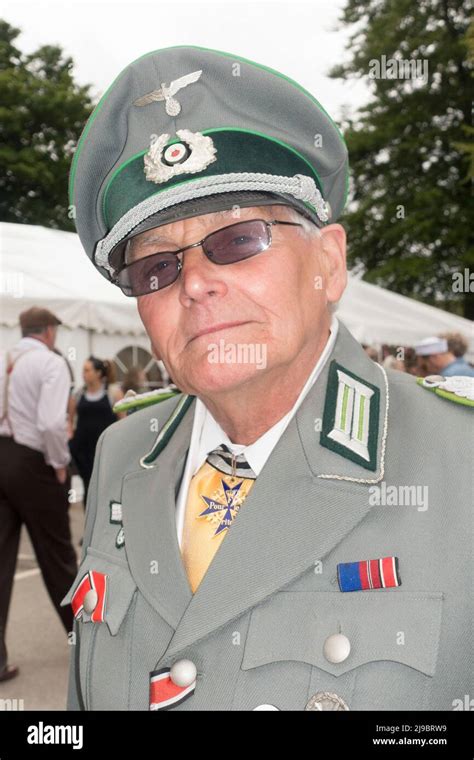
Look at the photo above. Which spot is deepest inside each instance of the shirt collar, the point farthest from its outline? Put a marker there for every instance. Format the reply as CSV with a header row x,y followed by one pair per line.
x,y
257,453
28,342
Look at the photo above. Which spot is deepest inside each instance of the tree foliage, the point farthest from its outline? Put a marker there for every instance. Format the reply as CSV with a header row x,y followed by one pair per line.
x,y
410,214
42,112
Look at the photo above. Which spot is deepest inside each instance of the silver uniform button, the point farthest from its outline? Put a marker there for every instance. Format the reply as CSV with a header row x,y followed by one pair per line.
x,y
325,700
90,601
336,648
183,672
266,707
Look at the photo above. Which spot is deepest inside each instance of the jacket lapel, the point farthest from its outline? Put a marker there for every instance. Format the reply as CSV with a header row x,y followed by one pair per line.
x,y
149,520
305,500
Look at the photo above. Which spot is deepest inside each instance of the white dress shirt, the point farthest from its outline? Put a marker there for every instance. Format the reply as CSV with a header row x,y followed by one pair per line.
x,y
207,435
38,392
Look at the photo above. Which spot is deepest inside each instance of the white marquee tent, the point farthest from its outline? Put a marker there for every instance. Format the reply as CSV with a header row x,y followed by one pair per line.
x,y
44,267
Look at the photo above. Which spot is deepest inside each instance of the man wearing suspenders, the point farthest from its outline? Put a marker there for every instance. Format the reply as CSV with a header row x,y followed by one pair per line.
x,y
33,466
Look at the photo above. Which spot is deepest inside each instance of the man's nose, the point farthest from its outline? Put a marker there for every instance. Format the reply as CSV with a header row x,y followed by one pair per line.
x,y
199,276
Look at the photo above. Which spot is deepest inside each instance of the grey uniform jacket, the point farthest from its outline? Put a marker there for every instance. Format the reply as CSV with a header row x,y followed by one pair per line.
x,y
257,625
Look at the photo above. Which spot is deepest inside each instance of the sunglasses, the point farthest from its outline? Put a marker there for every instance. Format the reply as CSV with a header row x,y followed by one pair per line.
x,y
227,245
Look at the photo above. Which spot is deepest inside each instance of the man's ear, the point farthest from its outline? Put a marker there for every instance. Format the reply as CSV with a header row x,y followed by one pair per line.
x,y
333,242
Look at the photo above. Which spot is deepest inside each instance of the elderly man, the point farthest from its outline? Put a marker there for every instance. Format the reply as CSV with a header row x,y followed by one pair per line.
x,y
280,536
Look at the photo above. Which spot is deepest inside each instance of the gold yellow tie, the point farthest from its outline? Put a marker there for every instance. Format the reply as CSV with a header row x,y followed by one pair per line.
x,y
216,493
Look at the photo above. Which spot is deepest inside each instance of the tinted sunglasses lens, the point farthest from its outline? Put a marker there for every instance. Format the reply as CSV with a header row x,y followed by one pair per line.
x,y
237,242
149,274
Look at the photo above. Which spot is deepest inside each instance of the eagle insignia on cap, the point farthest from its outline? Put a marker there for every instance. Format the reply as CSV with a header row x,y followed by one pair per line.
x,y
166,93
193,153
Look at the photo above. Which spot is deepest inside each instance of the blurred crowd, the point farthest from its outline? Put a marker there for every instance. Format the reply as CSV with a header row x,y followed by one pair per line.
x,y
437,355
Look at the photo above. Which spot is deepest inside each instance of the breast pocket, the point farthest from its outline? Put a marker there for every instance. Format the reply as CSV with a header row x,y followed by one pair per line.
x,y
104,636
375,650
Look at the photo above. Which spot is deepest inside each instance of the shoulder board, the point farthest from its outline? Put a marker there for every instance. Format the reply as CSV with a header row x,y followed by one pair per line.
x,y
458,388
131,402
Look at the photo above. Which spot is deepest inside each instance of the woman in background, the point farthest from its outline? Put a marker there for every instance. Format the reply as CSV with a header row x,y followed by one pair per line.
x,y
93,409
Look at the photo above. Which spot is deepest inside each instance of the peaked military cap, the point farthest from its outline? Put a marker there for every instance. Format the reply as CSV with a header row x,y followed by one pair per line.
x,y
184,131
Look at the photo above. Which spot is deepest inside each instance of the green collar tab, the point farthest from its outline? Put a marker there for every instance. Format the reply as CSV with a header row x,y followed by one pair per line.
x,y
351,417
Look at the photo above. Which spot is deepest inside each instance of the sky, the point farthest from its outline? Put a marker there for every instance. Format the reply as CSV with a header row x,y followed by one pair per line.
x,y
302,40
